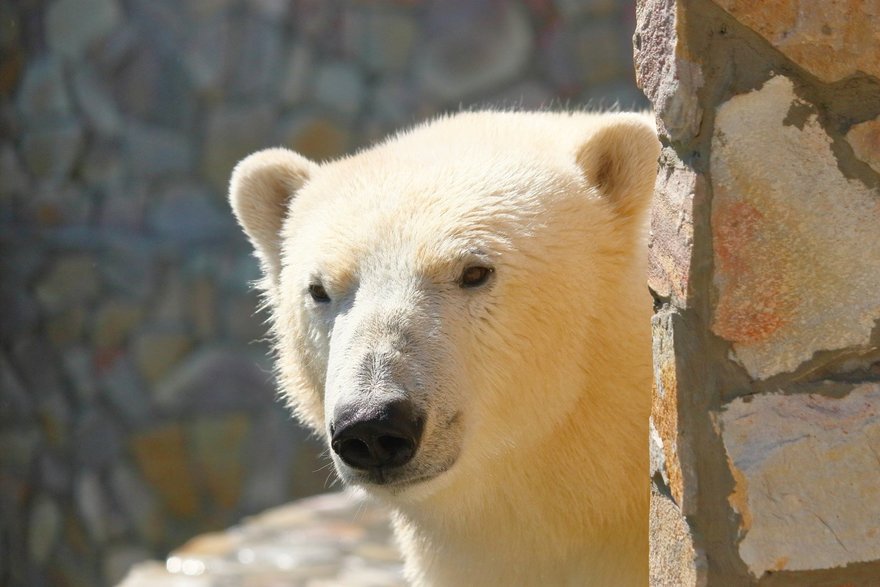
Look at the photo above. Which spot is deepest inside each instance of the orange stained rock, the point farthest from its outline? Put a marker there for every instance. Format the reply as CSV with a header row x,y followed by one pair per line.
x,y
832,39
864,139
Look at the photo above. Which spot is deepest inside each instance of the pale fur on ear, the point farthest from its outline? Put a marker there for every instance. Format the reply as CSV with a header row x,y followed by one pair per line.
x,y
619,159
260,191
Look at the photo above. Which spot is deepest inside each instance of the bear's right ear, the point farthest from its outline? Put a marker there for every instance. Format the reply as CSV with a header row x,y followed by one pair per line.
x,y
260,190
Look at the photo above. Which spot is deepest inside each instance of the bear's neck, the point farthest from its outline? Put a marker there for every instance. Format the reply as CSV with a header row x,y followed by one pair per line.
x,y
568,509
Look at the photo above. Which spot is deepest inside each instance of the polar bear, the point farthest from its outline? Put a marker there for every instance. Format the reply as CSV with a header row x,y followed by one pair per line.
x,y
461,313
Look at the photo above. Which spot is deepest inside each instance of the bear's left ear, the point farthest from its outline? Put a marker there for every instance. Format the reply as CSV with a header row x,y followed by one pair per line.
x,y
619,159
260,190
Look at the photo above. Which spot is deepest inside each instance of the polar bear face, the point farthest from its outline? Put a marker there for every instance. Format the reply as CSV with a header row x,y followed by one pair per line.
x,y
432,297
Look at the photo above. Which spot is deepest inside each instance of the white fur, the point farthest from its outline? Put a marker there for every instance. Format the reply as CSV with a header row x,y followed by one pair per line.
x,y
536,385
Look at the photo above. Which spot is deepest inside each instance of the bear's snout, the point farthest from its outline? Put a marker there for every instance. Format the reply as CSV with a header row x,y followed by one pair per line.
x,y
376,435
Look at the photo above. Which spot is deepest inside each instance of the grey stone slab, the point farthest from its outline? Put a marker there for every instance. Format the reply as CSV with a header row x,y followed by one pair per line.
x,y
807,476
777,187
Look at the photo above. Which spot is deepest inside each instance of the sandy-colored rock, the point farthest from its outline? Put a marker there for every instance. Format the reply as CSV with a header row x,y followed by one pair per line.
x,y
786,223
807,473
864,139
674,560
665,433
671,442
665,71
831,40
670,245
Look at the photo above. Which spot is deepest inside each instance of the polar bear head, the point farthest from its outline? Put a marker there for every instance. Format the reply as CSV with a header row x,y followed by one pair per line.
x,y
434,298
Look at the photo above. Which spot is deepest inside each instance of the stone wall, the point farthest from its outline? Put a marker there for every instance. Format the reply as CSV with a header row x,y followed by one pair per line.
x,y
136,403
765,267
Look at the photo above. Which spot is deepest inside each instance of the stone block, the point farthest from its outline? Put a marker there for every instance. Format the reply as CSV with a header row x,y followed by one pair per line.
x,y
673,559
786,223
807,473
672,456
665,71
670,245
830,40
864,138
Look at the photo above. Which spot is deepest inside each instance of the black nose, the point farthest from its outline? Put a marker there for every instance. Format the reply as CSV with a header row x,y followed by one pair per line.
x,y
384,435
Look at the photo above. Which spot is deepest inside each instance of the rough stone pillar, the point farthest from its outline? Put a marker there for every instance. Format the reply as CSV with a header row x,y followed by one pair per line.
x,y
765,267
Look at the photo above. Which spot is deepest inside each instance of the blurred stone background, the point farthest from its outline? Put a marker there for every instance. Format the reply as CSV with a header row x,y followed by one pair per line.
x,y
137,405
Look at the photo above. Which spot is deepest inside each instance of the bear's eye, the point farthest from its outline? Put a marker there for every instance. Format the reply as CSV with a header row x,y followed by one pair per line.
x,y
475,276
318,293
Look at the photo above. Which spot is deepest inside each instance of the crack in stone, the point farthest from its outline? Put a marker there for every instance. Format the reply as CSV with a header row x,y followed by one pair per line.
x,y
830,529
